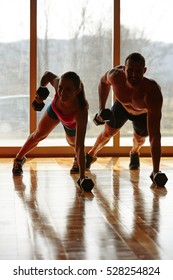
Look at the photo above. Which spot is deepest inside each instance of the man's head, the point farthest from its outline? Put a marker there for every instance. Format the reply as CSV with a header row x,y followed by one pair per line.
x,y
134,68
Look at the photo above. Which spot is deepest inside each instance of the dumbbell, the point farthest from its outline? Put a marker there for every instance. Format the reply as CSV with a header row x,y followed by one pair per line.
x,y
160,179
105,114
86,184
41,94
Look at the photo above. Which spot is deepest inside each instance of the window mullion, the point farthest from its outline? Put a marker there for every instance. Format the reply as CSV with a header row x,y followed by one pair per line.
x,y
33,60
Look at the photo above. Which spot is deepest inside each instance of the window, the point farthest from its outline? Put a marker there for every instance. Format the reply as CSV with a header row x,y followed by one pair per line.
x,y
146,28
88,37
75,35
14,78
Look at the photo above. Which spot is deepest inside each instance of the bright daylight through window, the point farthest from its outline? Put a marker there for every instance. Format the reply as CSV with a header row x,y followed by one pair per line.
x,y
75,35
14,78
146,28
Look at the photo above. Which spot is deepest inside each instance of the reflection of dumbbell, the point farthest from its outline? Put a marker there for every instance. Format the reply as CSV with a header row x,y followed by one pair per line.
x,y
86,184
41,94
159,179
105,116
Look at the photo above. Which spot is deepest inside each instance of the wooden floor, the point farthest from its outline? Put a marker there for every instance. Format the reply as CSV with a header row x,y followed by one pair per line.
x,y
44,216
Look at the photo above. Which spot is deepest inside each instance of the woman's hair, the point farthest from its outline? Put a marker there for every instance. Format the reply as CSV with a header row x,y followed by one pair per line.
x,y
78,84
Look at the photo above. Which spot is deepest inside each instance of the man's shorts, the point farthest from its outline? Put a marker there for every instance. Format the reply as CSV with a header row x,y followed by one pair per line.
x,y
70,131
120,117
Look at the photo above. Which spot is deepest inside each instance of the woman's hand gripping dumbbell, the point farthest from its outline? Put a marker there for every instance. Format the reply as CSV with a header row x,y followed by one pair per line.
x,y
102,117
85,184
41,94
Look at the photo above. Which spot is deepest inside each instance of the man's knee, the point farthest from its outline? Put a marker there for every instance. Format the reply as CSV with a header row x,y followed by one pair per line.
x,y
109,132
138,138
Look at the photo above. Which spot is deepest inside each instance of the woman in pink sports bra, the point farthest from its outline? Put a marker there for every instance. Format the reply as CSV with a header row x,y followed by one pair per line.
x,y
69,107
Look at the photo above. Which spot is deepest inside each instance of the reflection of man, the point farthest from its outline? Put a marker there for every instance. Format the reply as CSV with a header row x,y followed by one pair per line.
x,y
138,99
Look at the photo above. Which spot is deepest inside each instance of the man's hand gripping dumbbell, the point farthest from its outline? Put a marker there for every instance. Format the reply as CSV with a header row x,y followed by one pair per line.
x,y
159,179
102,117
41,94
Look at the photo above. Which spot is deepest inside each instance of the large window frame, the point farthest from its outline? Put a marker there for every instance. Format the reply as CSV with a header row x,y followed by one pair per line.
x,y
40,151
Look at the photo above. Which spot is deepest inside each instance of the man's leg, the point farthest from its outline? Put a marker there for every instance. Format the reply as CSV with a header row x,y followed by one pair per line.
x,y
139,135
119,118
138,142
101,141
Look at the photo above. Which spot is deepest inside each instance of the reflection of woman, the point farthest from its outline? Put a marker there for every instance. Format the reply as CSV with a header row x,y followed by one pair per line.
x,y
69,107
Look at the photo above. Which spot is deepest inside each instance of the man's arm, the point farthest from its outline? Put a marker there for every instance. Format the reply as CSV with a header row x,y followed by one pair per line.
x,y
105,84
104,89
154,105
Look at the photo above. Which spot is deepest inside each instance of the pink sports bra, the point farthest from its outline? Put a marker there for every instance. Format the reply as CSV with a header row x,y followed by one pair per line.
x,y
67,120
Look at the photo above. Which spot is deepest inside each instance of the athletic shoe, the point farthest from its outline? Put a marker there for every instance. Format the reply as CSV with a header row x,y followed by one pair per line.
x,y
17,166
134,161
89,160
75,167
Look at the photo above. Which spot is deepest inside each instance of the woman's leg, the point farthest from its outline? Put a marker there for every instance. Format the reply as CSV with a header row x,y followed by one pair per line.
x,y
71,142
45,126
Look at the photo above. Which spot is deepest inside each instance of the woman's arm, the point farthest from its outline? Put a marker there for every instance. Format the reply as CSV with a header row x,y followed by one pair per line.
x,y
81,124
51,78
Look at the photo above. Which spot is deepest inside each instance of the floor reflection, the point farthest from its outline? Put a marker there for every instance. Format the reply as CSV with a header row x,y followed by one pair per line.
x,y
45,216
133,214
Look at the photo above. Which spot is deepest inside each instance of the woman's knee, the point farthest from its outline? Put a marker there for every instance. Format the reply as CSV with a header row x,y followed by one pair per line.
x,y
70,140
38,136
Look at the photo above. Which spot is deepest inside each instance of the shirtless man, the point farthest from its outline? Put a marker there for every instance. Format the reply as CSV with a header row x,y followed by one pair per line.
x,y
138,99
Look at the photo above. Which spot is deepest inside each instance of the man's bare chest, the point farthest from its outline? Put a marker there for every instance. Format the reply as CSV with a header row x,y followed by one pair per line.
x,y
133,101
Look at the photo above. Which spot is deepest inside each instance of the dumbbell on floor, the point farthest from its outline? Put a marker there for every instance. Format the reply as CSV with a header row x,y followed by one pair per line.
x,y
160,179
104,114
41,94
86,184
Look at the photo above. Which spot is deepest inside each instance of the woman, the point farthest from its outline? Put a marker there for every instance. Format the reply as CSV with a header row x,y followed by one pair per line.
x,y
69,107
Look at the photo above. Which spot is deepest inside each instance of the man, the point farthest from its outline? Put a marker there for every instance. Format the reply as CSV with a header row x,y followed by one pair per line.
x,y
138,99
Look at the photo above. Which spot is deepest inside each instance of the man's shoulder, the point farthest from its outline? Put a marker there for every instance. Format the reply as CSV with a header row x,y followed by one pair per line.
x,y
115,72
117,69
153,94
151,83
